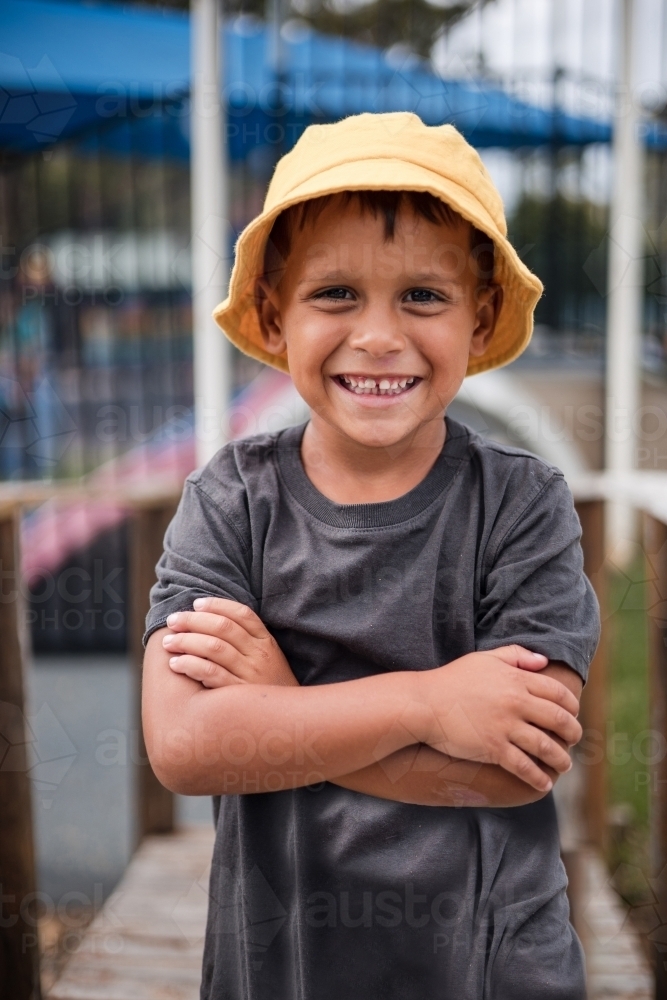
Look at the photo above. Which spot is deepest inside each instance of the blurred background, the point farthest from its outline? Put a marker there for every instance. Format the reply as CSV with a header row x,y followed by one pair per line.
x,y
98,374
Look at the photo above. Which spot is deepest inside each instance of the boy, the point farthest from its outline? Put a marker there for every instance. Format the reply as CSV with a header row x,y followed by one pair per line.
x,y
369,635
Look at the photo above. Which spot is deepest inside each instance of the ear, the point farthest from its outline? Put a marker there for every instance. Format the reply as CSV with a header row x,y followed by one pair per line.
x,y
489,299
267,304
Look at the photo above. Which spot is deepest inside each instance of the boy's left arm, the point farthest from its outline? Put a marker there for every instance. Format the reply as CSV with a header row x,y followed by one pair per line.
x,y
423,776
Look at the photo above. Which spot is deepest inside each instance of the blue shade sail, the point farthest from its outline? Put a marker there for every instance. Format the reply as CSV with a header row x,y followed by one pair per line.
x,y
69,71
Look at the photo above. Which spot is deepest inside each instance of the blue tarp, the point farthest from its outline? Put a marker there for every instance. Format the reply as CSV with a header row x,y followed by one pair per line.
x,y
119,77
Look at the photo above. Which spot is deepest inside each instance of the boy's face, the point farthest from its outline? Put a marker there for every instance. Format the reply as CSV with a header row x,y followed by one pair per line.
x,y
378,332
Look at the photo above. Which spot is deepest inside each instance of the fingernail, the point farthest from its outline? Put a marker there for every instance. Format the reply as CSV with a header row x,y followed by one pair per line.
x,y
167,640
173,617
173,660
549,785
199,602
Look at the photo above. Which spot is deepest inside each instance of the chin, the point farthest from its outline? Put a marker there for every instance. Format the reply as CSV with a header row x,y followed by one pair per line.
x,y
374,435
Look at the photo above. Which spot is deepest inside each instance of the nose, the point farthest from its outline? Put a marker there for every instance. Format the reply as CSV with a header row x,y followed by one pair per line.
x,y
377,332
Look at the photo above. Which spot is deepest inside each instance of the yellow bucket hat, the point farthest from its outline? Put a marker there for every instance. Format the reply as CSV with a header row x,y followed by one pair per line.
x,y
384,152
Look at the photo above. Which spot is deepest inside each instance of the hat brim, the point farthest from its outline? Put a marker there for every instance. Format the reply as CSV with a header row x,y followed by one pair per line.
x,y
237,315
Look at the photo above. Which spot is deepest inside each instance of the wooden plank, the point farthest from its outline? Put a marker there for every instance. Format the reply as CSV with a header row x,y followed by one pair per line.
x,y
155,804
151,492
655,545
593,716
147,942
615,964
19,955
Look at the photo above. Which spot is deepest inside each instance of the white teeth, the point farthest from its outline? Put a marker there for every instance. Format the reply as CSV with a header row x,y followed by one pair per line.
x,y
372,387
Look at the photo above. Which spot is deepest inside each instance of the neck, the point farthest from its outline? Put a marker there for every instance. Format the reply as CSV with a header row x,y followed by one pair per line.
x,y
346,471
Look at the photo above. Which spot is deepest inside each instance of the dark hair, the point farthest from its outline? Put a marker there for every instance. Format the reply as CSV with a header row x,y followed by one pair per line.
x,y
384,203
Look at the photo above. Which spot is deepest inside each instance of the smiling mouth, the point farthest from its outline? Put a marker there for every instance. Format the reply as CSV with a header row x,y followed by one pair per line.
x,y
363,385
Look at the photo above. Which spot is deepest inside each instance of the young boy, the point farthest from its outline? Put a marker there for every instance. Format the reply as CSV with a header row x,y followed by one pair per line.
x,y
369,634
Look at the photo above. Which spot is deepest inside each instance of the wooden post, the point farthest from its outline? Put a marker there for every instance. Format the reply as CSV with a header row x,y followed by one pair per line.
x,y
19,951
593,715
655,542
155,804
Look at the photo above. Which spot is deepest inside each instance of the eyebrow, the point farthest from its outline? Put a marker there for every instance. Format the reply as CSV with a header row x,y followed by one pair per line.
x,y
427,277
422,277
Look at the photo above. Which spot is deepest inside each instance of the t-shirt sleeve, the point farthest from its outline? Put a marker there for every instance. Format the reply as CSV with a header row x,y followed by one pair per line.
x,y
204,555
534,591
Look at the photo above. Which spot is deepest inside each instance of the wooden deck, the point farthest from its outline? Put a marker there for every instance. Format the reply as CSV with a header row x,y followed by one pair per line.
x,y
146,944
617,968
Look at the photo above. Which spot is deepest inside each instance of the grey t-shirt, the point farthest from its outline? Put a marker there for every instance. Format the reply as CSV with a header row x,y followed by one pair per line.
x,y
321,893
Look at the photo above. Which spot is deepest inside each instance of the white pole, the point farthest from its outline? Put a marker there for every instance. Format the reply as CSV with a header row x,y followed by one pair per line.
x,y
209,200
625,298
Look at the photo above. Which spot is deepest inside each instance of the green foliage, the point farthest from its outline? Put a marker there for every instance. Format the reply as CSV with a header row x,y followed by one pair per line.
x,y
628,720
629,697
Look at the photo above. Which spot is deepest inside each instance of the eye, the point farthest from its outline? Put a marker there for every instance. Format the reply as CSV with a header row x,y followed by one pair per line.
x,y
335,294
423,296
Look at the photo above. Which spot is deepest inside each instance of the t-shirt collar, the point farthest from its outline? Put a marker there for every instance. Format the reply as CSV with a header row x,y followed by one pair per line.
x,y
371,515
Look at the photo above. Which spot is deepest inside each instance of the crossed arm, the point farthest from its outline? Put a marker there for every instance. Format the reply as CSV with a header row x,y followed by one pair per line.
x,y
223,713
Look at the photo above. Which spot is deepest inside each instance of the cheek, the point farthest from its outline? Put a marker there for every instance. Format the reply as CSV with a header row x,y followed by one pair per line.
x,y
311,339
445,344
309,344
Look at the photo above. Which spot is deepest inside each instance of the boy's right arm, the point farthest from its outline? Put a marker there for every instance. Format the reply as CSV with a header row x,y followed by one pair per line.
x,y
260,737
254,737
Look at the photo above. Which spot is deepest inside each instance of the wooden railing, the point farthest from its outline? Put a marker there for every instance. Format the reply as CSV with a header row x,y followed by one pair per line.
x,y
150,511
646,493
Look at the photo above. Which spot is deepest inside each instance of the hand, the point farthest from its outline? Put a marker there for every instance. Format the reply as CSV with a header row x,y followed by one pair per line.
x,y
223,642
480,707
